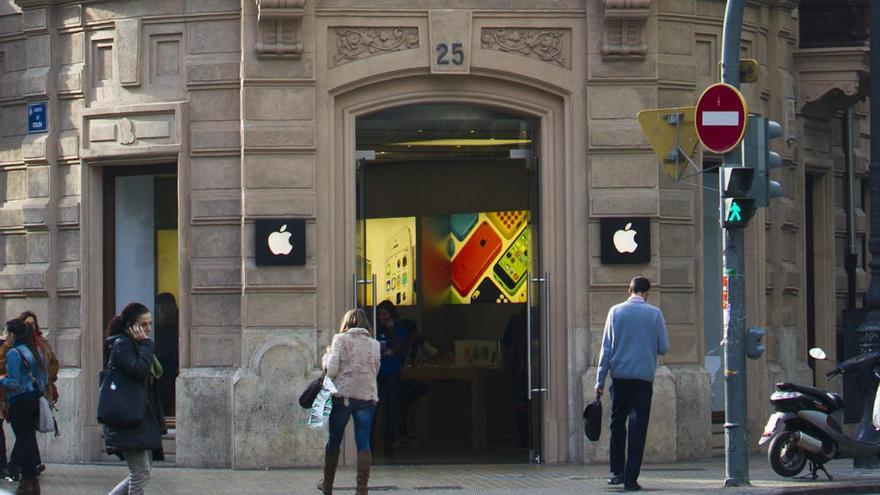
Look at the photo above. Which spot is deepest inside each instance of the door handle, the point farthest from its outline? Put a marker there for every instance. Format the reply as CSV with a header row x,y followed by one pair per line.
x,y
546,305
529,335
355,282
529,282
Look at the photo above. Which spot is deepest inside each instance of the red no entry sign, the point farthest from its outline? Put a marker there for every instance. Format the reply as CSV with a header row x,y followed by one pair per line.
x,y
721,117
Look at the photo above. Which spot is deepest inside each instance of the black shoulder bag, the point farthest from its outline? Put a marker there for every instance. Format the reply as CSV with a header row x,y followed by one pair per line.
x,y
307,397
121,399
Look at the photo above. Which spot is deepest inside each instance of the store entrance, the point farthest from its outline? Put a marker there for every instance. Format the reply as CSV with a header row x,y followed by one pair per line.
x,y
447,261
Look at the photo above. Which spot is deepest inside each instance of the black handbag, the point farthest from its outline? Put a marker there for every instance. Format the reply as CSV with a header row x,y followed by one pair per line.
x,y
307,397
121,400
593,419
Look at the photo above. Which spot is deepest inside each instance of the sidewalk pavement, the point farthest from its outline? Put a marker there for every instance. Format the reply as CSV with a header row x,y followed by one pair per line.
x,y
683,477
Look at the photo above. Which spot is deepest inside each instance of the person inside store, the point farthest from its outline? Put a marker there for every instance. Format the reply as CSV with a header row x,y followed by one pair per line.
x,y
167,348
390,335
415,349
514,345
25,380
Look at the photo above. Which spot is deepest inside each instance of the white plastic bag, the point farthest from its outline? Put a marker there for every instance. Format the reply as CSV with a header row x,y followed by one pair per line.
x,y
320,411
875,418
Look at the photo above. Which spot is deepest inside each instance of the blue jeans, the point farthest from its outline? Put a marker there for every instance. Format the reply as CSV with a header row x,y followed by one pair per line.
x,y
363,412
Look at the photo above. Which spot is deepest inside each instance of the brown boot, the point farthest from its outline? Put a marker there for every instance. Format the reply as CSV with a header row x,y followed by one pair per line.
x,y
36,487
331,460
363,472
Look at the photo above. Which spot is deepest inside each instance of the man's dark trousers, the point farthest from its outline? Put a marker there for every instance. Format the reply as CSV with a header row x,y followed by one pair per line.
x,y
630,402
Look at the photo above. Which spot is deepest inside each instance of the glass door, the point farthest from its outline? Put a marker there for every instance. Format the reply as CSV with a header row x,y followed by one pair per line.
x,y
363,279
537,323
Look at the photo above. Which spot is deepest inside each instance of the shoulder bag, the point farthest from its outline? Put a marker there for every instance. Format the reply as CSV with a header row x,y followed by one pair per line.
x,y
121,399
307,397
46,422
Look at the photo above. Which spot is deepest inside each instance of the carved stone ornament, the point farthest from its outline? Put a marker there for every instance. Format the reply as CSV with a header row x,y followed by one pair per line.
x,y
837,77
623,30
279,23
355,43
547,45
125,131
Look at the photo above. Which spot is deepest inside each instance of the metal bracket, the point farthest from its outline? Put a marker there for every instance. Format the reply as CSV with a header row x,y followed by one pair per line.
x,y
677,153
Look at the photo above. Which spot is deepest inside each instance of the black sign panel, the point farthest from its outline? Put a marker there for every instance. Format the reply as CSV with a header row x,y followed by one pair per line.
x,y
625,240
280,241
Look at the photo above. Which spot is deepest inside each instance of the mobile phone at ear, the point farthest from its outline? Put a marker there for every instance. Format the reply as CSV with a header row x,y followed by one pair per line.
x,y
474,258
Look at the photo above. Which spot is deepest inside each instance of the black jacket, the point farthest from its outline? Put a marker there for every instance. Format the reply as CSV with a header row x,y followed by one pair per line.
x,y
134,359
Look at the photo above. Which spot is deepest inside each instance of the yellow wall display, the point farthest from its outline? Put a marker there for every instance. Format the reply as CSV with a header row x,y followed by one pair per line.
x,y
167,274
391,257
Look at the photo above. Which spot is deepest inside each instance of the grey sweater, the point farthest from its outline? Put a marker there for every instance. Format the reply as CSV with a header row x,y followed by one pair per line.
x,y
635,333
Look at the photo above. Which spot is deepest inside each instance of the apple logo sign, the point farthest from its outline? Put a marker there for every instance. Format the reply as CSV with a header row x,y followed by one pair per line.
x,y
280,241
625,240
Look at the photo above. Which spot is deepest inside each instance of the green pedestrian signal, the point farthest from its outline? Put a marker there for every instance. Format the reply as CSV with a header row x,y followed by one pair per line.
x,y
738,207
738,212
733,214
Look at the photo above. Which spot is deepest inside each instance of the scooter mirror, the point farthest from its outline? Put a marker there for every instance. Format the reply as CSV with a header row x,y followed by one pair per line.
x,y
817,353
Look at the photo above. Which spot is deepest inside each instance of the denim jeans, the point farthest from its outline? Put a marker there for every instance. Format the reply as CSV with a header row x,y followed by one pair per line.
x,y
363,412
23,415
138,473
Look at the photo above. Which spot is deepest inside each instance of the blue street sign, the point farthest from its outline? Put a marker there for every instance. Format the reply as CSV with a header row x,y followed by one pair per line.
x,y
38,118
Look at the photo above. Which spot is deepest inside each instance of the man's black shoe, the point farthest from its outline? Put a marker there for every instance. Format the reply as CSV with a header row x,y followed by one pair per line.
x,y
616,479
632,487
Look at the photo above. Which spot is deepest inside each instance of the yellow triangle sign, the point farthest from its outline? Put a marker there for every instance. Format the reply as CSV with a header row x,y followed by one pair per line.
x,y
668,129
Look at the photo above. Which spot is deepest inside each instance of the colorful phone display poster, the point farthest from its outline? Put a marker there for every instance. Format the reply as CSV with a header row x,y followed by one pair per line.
x,y
433,248
489,257
391,256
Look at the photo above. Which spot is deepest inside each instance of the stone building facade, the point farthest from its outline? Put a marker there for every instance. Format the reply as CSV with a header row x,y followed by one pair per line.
x,y
253,104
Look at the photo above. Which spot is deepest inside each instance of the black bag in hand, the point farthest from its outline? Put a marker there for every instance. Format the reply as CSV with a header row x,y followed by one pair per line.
x,y
122,401
593,419
307,397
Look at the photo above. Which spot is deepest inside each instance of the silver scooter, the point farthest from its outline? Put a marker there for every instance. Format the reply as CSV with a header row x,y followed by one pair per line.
x,y
806,426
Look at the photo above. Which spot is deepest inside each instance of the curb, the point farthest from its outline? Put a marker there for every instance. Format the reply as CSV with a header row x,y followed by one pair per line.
x,y
871,487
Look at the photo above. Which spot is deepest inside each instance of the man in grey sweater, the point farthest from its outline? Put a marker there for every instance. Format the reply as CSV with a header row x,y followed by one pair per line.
x,y
635,334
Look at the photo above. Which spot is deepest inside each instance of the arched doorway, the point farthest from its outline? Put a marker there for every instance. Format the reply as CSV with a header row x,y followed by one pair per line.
x,y
545,116
446,257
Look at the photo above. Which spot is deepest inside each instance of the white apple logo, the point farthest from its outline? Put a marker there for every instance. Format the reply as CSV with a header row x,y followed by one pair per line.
x,y
625,240
279,242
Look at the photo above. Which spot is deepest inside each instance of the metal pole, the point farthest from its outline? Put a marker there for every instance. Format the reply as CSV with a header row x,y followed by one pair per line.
x,y
736,453
849,261
872,300
866,431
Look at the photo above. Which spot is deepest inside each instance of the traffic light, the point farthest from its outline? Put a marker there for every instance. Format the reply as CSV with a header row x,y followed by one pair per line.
x,y
738,207
754,347
757,155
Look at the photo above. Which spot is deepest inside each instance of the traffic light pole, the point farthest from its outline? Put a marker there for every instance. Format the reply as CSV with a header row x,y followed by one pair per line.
x,y
736,454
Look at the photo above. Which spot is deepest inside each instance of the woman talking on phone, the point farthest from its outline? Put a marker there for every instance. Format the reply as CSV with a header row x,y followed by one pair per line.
x,y
131,352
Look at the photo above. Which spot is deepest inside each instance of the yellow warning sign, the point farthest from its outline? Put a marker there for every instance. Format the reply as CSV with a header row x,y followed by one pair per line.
x,y
672,133
749,70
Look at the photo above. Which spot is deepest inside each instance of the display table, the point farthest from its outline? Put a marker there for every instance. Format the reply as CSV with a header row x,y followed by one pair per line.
x,y
476,378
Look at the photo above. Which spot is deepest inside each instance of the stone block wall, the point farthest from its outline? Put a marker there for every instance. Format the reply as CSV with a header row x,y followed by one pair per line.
x,y
240,94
